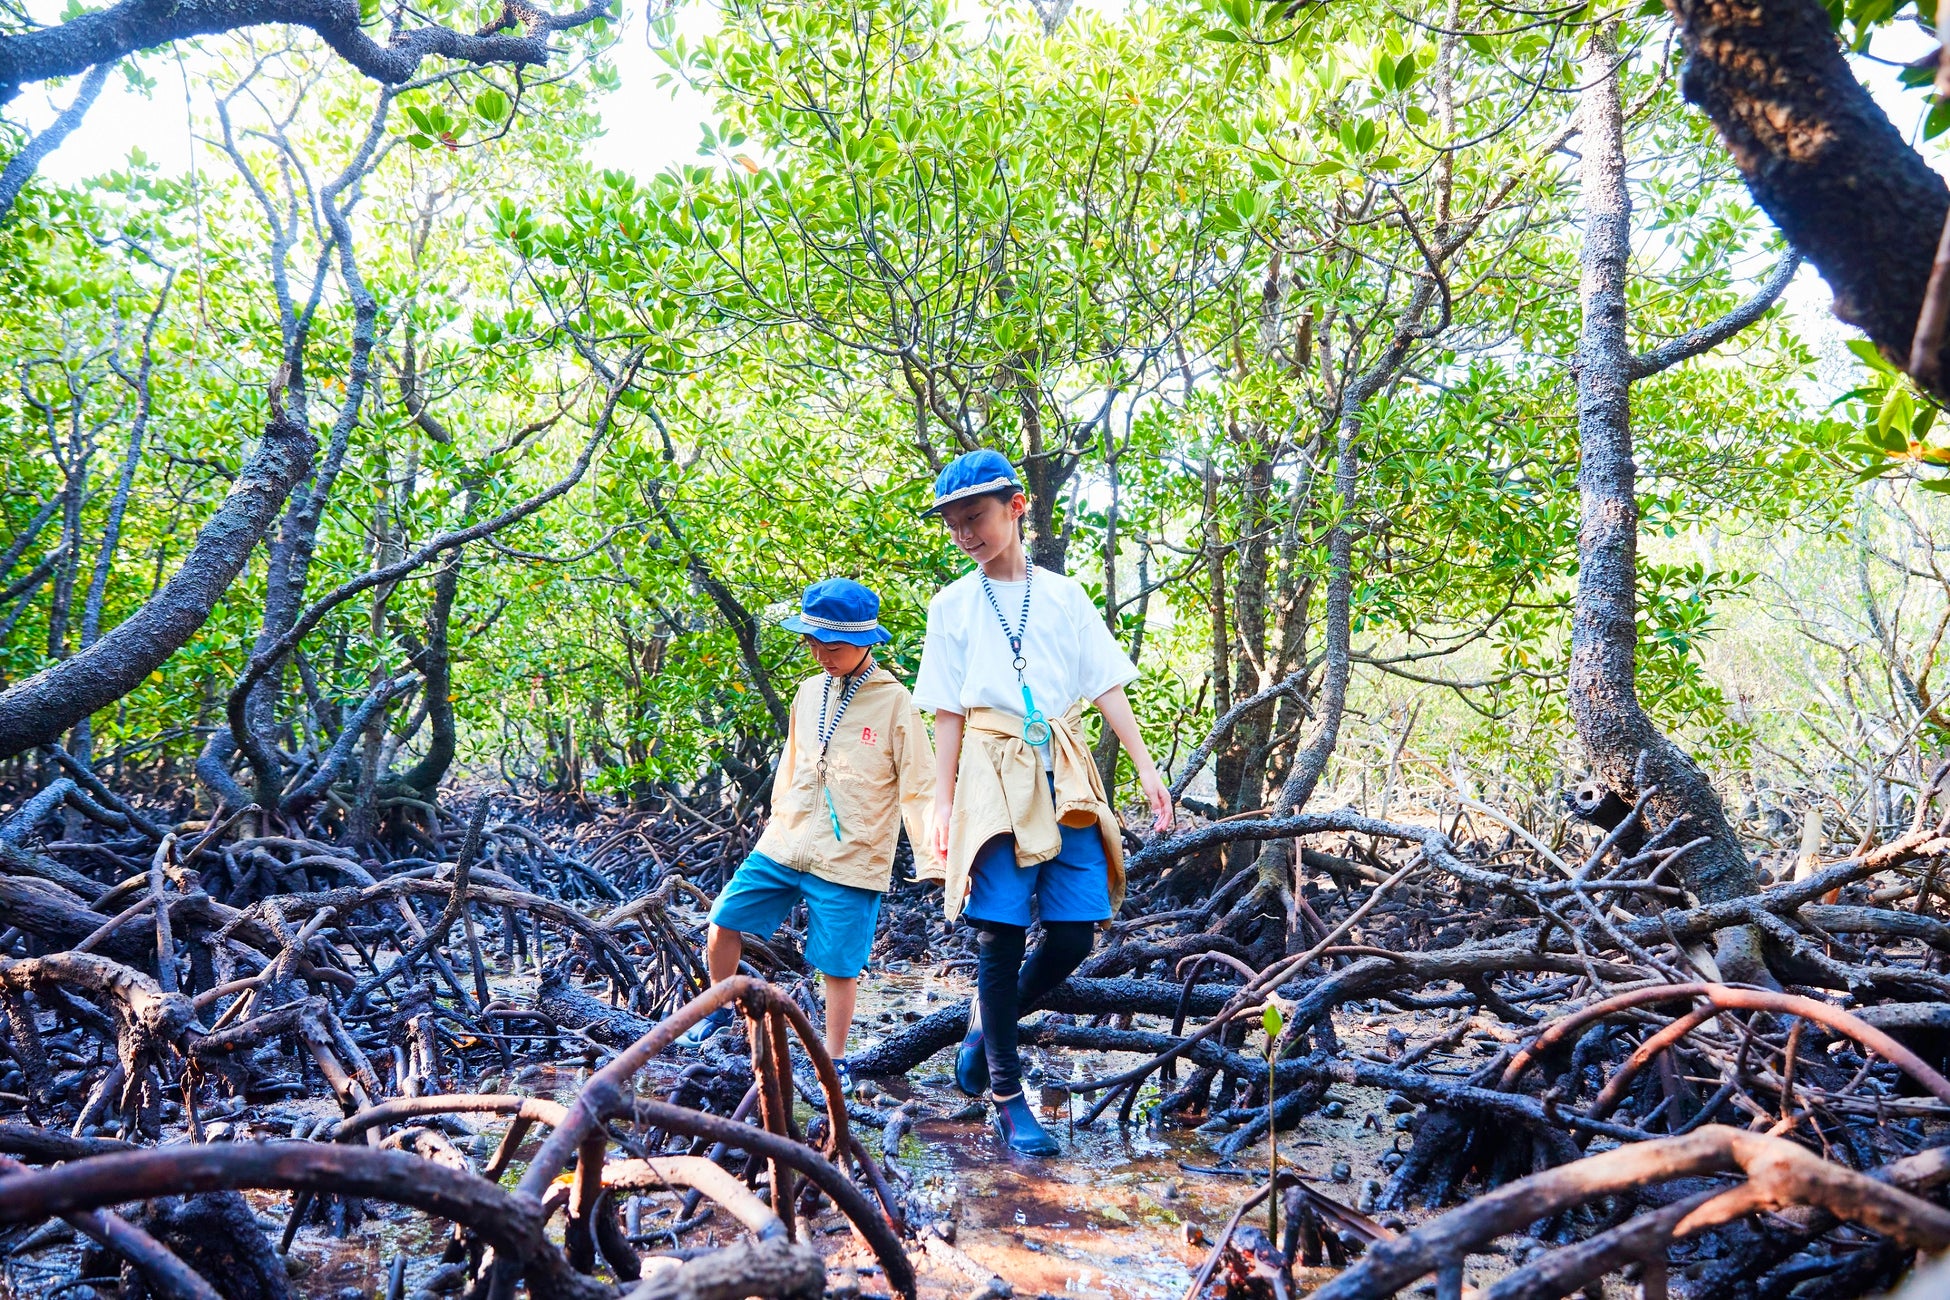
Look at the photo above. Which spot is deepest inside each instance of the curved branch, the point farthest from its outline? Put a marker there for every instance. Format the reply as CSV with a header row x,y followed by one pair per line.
x,y
269,657
103,37
38,710
22,166
1707,337
1779,1174
167,1274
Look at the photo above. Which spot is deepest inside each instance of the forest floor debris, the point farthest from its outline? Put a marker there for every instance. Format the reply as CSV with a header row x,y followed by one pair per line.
x,y
402,1066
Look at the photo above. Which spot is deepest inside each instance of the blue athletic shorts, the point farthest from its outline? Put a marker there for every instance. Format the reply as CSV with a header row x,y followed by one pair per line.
x,y
840,935
1072,886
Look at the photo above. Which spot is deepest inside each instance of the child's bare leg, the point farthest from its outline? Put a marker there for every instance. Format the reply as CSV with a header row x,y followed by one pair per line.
x,y
841,994
722,952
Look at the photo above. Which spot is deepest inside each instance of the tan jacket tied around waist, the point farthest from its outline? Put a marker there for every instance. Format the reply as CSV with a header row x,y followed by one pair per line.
x,y
1000,790
879,770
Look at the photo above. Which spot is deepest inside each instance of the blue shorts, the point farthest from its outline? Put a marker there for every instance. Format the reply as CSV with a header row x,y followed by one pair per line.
x,y
1072,886
840,934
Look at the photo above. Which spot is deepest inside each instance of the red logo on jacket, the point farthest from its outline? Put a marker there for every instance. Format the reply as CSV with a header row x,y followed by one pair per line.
x,y
867,736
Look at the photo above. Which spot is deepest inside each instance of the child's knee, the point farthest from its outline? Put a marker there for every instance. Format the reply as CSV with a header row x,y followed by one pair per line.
x,y
1072,940
1000,940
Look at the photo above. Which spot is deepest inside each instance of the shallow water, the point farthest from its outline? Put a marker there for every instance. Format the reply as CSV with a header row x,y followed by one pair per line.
x,y
1119,1215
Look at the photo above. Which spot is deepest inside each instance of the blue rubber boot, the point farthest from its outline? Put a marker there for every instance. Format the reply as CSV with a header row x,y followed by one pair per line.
x,y
972,1061
1016,1124
703,1029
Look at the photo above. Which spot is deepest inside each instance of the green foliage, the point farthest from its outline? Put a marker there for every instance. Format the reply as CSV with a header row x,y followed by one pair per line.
x,y
1146,254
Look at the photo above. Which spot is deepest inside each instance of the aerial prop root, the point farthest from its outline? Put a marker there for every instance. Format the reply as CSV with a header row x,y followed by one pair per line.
x,y
1726,998
1779,1175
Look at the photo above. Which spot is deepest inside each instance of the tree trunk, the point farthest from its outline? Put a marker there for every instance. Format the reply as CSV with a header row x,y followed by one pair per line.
x,y
81,452
1108,746
1617,734
38,710
91,610
1819,157
435,663
1045,477
1242,766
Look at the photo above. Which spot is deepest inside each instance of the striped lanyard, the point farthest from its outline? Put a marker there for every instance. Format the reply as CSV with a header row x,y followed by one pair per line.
x,y
827,732
1035,727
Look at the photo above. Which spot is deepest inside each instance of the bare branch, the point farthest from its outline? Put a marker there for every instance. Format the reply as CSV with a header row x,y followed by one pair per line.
x,y
1707,337
22,166
99,39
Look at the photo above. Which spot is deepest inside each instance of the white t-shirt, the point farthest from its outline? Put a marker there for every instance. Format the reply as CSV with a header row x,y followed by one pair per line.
x,y
966,662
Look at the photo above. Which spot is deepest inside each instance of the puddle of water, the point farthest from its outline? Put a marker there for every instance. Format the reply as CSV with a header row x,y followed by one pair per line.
x,y
1118,1216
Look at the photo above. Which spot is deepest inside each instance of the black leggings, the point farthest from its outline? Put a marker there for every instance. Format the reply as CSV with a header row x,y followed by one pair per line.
x,y
1008,986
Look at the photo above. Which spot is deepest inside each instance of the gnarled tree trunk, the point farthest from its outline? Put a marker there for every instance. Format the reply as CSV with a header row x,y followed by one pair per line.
x,y
1622,742
1819,157
38,710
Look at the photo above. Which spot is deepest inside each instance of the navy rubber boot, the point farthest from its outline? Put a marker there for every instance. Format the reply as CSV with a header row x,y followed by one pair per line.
x,y
703,1029
972,1061
1016,1124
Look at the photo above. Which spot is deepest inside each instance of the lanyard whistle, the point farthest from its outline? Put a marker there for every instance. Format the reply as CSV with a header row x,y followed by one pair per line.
x,y
826,734
1035,727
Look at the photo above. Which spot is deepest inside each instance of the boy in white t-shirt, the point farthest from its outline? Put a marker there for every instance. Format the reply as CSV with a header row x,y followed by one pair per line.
x,y
1020,810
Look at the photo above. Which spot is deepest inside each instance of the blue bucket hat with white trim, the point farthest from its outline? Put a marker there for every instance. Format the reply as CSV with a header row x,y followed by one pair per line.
x,y
977,473
839,609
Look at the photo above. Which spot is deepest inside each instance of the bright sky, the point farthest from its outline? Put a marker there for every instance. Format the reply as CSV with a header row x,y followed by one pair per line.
x,y
649,126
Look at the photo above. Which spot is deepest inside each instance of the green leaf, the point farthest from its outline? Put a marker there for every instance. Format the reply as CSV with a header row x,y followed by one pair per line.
x,y
1223,36
419,141
1938,121
1866,352
491,104
1405,71
1272,1020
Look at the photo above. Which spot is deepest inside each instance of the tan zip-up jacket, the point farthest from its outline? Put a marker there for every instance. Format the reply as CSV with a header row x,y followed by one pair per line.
x,y
1000,790
880,770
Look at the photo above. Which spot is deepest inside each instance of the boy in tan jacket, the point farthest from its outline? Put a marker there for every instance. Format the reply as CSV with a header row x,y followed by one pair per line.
x,y
856,764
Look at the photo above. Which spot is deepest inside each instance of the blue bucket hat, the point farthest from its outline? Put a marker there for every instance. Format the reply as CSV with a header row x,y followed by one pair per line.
x,y
839,609
974,474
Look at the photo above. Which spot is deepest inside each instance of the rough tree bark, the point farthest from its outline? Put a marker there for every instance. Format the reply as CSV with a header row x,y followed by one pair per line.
x,y
38,710
1820,157
105,36
1617,734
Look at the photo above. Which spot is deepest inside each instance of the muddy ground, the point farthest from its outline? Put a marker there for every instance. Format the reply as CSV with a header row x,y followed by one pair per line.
x,y
1124,1214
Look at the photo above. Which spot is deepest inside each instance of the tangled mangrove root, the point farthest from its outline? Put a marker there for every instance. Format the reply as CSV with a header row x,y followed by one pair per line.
x,y
494,1014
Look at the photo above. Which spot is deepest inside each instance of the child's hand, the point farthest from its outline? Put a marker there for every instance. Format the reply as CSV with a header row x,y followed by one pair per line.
x,y
1158,796
943,810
